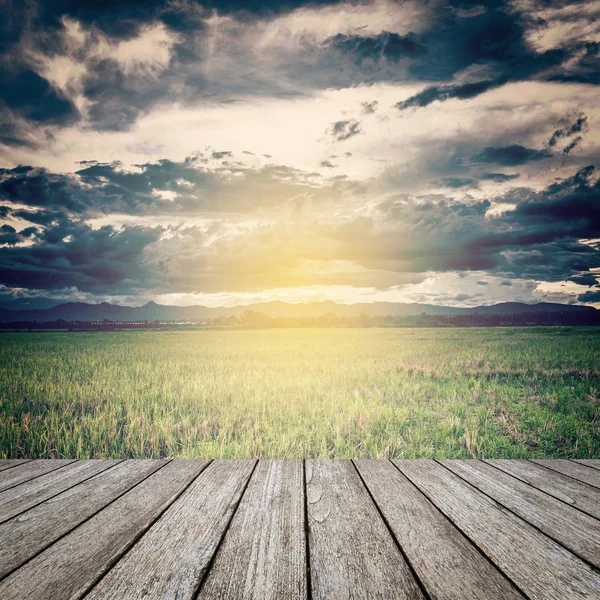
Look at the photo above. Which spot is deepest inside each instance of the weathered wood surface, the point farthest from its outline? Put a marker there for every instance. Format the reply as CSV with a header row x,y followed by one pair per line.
x,y
448,565
11,477
70,567
9,463
171,560
540,567
590,462
184,529
569,490
573,469
579,532
22,497
352,553
32,531
263,555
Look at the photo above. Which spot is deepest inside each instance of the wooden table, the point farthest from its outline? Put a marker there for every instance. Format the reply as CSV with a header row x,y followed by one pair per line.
x,y
412,529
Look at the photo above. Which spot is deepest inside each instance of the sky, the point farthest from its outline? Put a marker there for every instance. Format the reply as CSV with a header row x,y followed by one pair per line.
x,y
224,153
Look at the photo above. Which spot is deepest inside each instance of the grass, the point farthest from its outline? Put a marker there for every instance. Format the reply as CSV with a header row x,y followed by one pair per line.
x,y
342,393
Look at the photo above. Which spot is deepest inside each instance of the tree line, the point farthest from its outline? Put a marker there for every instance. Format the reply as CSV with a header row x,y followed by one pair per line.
x,y
256,320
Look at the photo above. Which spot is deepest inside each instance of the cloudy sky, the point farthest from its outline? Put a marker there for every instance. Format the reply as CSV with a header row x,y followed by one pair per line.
x,y
225,152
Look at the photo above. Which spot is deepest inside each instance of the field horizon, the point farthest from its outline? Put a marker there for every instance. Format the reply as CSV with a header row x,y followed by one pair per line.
x,y
351,393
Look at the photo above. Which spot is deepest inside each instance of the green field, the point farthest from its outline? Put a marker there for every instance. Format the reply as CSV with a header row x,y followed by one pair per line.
x,y
340,393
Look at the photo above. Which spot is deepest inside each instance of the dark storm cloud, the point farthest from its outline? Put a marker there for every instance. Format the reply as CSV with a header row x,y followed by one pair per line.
x,y
579,125
32,97
572,206
494,38
74,254
24,95
572,145
446,92
538,239
509,156
98,188
42,217
586,65
544,231
9,235
591,297
499,177
344,130
385,46
585,279
108,188
38,187
222,154
457,182
163,174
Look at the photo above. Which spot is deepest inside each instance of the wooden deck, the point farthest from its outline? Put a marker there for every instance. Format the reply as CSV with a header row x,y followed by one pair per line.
x,y
412,529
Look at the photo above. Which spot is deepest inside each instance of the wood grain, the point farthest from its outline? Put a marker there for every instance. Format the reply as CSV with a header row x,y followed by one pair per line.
x,y
170,561
589,462
24,472
68,568
540,567
263,555
573,492
352,553
572,469
34,530
31,493
447,564
9,463
575,530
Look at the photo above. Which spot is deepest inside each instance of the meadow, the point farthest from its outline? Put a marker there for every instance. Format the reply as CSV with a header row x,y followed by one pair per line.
x,y
343,393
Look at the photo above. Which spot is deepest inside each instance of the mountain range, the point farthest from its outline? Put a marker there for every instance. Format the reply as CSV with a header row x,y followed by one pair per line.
x,y
81,311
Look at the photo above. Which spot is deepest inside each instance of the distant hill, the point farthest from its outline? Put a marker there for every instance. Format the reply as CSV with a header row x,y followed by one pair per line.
x,y
81,311
29,304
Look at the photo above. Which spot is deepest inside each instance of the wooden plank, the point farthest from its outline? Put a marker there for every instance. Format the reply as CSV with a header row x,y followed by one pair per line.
x,y
171,559
577,494
33,468
68,568
589,462
352,553
9,463
34,530
575,530
263,554
447,564
572,469
540,567
31,493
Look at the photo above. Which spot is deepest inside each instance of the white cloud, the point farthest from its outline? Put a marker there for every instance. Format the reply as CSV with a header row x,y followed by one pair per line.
x,y
318,23
148,54
556,26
